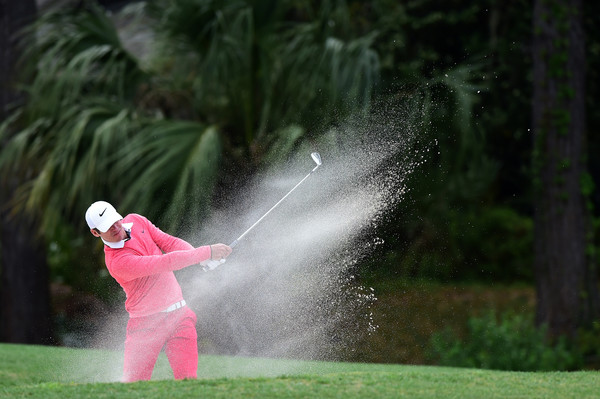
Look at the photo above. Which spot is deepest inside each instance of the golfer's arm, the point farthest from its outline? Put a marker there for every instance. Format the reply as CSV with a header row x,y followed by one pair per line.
x,y
167,242
130,266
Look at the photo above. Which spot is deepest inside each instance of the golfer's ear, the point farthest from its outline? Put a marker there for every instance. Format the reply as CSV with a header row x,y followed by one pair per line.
x,y
95,232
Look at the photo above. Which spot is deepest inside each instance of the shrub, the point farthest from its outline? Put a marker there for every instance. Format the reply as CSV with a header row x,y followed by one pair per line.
x,y
485,244
496,244
513,343
588,343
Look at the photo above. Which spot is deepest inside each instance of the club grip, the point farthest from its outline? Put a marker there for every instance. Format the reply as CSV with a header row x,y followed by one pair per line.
x,y
211,264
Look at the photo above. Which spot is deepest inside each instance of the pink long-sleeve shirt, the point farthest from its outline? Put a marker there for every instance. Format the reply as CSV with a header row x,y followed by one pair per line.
x,y
144,266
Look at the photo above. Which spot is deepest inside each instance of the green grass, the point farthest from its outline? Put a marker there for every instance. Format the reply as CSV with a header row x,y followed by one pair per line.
x,y
46,372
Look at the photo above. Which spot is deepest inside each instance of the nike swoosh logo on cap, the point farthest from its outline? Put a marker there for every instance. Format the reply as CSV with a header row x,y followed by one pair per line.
x,y
103,212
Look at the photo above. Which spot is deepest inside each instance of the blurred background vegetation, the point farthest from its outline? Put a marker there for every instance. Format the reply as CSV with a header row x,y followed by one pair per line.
x,y
127,101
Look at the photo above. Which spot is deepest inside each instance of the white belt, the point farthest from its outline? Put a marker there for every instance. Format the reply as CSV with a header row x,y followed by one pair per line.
x,y
175,306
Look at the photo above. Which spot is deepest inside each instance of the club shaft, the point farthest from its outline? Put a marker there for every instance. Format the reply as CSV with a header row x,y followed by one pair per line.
x,y
233,244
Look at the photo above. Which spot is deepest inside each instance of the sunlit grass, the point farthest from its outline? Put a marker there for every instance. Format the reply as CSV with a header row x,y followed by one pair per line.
x,y
43,372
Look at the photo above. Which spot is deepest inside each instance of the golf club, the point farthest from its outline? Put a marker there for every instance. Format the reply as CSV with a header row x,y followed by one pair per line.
x,y
212,264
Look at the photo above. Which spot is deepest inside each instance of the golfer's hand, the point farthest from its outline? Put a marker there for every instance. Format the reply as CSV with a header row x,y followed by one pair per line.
x,y
219,251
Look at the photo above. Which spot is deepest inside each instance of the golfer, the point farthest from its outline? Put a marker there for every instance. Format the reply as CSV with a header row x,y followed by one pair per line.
x,y
142,258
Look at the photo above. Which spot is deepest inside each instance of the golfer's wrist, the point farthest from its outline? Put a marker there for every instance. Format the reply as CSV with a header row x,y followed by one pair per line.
x,y
202,253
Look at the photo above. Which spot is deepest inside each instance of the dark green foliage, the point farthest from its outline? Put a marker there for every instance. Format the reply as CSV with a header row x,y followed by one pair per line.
x,y
485,244
588,343
511,343
504,254
247,82
84,274
257,67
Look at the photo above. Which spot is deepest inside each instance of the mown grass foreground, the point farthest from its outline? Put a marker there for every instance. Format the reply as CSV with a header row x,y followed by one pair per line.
x,y
46,372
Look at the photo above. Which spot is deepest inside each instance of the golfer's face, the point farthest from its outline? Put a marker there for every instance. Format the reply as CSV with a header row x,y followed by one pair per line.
x,y
115,233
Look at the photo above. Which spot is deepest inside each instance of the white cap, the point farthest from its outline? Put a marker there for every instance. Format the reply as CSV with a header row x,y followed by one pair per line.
x,y
101,215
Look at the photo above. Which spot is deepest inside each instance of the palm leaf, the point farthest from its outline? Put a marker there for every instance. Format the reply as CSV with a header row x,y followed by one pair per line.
x,y
71,54
72,159
456,93
171,170
259,69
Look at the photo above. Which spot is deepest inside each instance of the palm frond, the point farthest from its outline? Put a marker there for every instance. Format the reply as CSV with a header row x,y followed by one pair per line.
x,y
285,140
170,169
72,54
70,160
325,77
99,124
260,69
454,96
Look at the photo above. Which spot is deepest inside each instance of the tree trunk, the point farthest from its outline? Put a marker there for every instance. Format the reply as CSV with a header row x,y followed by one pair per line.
x,y
25,298
24,295
565,300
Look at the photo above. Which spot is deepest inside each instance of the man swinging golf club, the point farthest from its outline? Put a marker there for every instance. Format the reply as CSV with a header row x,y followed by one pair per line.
x,y
142,258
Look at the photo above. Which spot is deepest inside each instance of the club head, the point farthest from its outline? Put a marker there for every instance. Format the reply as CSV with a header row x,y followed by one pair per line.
x,y
316,157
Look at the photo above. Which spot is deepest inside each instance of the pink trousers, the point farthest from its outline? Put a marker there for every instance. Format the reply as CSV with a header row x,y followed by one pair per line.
x,y
146,336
